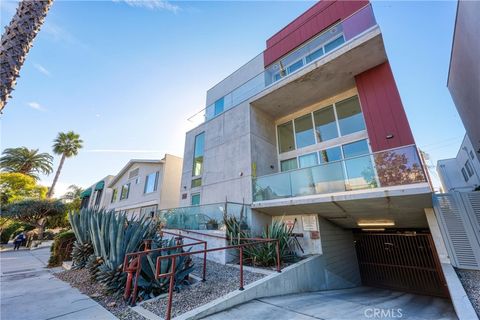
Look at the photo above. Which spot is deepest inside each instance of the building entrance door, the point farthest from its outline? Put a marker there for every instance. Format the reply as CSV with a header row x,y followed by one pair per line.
x,y
404,262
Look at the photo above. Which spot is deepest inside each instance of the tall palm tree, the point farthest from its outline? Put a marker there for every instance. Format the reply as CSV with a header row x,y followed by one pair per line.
x,y
17,41
67,145
26,161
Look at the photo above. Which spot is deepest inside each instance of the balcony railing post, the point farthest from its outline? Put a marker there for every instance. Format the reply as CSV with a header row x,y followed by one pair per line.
x,y
170,289
277,249
204,278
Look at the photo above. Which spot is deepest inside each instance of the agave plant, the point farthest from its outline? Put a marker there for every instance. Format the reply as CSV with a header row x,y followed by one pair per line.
x,y
82,248
113,235
151,287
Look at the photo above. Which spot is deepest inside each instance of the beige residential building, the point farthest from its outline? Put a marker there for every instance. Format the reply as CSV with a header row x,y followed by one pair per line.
x,y
97,196
144,186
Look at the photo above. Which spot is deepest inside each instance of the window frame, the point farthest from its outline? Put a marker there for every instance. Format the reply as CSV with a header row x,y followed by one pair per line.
x,y
195,156
128,185
155,182
196,194
114,195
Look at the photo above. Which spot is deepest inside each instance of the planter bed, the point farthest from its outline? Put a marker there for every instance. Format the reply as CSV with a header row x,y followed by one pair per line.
x,y
470,280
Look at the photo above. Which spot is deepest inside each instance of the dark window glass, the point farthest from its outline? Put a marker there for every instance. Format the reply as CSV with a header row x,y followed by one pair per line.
x,y
314,55
286,141
114,195
304,131
469,168
98,197
289,164
350,117
219,104
125,191
464,173
325,124
335,43
196,182
471,155
198,154
195,199
355,149
329,155
294,67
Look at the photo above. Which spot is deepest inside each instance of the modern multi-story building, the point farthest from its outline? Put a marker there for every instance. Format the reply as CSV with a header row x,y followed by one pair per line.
x,y
144,186
98,195
461,173
464,73
313,131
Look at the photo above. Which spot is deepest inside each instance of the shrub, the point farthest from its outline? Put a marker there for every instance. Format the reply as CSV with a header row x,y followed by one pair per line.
x,y
61,249
9,229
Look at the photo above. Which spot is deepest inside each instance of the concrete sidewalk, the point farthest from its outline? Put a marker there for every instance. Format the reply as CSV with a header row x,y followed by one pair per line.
x,y
29,291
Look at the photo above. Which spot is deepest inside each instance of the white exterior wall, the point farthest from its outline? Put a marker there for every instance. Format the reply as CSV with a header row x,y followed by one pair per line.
x,y
166,195
106,194
449,170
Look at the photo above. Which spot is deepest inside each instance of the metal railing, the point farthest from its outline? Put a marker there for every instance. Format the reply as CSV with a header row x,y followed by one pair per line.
x,y
322,45
132,262
393,167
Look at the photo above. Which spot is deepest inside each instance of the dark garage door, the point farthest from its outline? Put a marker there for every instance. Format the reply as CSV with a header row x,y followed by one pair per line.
x,y
405,262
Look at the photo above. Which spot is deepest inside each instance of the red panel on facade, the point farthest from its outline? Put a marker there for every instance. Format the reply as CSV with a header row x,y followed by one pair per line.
x,y
309,24
383,109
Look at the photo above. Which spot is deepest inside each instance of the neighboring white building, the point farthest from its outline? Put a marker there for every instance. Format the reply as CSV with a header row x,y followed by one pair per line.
x,y
144,186
97,196
461,173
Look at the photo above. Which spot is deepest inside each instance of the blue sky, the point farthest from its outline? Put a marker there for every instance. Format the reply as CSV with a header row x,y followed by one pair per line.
x,y
127,76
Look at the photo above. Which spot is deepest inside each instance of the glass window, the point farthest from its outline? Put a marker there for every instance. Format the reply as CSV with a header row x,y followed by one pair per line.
x,y
286,141
98,197
308,160
289,164
335,43
219,105
114,196
325,124
124,192
471,155
469,168
355,149
151,182
304,131
295,66
330,155
195,199
464,173
350,117
196,182
314,55
198,154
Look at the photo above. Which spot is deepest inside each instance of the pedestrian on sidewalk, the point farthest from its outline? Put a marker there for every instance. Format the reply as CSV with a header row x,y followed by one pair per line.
x,y
19,240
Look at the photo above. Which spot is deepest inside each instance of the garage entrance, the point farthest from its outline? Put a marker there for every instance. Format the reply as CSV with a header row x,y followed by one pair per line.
x,y
403,261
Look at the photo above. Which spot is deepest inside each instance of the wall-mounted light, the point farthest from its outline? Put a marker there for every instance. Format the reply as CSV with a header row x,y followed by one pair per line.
x,y
185,187
240,173
390,136
373,229
376,223
272,166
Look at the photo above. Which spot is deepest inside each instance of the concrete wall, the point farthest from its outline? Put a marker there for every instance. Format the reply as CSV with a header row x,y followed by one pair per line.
x,y
449,170
341,265
309,245
170,184
263,143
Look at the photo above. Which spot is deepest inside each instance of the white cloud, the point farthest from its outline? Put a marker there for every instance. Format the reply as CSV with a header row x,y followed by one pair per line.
x,y
152,4
36,106
42,69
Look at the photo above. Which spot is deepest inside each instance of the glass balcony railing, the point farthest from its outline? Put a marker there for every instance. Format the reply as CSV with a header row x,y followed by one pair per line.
x,y
394,167
322,45
205,217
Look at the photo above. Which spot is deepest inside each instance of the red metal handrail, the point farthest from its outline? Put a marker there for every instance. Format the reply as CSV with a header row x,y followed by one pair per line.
x,y
240,246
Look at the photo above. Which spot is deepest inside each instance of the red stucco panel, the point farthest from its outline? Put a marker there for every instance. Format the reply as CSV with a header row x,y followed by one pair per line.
x,y
309,24
383,109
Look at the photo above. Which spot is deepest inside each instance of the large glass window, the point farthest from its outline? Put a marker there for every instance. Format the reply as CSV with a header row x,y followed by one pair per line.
x,y
304,131
308,160
355,149
295,66
98,197
469,168
195,201
286,141
350,117
289,164
325,124
196,182
335,43
314,55
219,106
151,182
330,155
125,191
198,154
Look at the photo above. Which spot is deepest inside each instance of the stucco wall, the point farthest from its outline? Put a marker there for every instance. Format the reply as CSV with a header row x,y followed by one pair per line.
x,y
170,184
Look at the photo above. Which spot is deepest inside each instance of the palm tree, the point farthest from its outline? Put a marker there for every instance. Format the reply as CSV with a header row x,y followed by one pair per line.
x,y
66,144
73,196
17,41
27,161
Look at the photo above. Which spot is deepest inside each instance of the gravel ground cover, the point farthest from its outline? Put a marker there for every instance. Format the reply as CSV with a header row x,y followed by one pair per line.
x,y
471,282
80,279
220,281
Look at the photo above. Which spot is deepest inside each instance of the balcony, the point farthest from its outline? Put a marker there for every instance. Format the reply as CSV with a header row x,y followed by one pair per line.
x,y
343,50
390,168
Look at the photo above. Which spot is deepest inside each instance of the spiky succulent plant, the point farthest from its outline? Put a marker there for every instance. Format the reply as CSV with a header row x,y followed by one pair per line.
x,y
82,248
